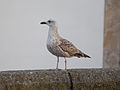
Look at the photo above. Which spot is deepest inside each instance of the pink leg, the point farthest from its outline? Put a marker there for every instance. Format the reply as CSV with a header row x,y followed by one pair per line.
x,y
57,63
65,64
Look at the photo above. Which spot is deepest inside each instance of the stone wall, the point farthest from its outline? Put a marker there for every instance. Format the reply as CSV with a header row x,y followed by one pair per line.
x,y
112,34
79,79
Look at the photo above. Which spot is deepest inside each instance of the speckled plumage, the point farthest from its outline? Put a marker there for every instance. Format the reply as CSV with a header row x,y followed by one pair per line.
x,y
58,46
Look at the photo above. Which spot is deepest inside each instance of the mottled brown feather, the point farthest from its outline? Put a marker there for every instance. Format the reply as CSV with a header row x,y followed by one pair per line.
x,y
68,47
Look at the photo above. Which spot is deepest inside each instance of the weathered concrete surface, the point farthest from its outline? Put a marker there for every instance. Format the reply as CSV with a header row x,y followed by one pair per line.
x,y
79,79
34,80
96,79
112,34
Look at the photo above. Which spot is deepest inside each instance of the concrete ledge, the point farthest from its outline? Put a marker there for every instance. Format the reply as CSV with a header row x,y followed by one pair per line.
x,y
75,79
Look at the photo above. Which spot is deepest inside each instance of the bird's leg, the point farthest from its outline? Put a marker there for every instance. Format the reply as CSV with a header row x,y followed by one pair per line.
x,y
57,63
65,64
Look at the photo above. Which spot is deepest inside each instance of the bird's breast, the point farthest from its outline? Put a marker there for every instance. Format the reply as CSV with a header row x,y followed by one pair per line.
x,y
52,46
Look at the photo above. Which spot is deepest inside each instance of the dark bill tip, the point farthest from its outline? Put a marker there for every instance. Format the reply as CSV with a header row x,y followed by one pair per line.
x,y
43,23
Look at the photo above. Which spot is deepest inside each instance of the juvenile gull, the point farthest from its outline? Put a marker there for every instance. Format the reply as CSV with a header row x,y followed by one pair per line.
x,y
59,46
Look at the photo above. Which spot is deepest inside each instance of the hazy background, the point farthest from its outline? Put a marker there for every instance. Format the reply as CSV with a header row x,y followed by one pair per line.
x,y
23,39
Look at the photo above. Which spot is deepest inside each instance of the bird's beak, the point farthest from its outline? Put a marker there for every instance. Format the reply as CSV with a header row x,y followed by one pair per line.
x,y
43,23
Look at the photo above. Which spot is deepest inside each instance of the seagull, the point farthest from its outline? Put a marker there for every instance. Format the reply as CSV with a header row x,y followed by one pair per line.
x,y
59,46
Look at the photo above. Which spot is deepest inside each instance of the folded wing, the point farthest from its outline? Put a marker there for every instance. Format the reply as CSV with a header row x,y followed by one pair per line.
x,y
68,47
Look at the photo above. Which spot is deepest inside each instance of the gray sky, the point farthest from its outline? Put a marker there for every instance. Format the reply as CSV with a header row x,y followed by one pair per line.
x,y
23,39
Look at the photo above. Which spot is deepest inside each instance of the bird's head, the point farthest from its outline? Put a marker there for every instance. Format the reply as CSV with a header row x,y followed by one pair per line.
x,y
50,23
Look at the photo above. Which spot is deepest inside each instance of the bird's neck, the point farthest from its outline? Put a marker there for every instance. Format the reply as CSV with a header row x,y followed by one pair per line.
x,y
53,32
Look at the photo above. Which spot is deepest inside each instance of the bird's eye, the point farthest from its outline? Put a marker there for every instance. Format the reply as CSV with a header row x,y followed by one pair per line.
x,y
49,21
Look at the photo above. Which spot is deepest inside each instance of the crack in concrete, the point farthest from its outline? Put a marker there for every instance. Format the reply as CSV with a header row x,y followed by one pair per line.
x,y
71,82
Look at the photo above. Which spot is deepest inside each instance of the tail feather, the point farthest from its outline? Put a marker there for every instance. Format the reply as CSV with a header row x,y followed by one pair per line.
x,y
82,55
86,56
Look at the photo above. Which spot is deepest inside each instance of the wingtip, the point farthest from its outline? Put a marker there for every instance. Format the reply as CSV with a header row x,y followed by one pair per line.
x,y
89,57
86,56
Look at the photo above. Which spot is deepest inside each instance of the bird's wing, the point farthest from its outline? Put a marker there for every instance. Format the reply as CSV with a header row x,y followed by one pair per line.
x,y
68,47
